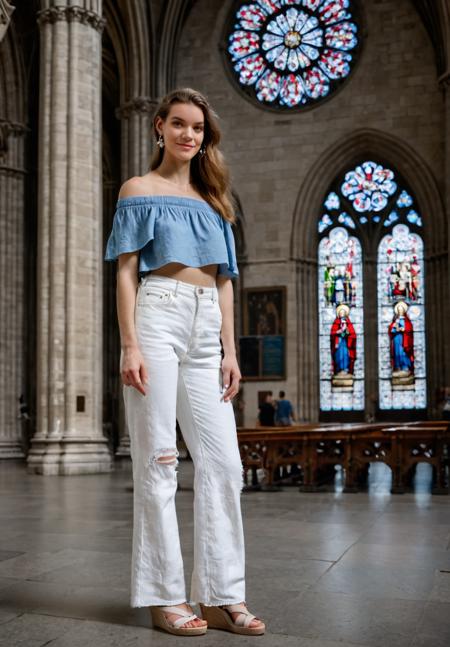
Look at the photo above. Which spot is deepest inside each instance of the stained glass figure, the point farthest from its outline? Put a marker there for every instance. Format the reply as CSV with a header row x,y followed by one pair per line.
x,y
401,334
341,322
401,320
371,197
343,348
293,53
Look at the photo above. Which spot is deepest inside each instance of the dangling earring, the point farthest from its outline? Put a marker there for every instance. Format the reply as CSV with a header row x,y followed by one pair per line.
x,y
202,150
160,141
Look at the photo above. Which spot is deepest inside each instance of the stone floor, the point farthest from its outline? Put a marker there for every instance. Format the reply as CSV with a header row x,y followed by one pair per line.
x,y
323,569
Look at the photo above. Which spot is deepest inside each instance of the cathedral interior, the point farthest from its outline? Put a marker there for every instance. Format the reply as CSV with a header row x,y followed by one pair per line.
x,y
335,121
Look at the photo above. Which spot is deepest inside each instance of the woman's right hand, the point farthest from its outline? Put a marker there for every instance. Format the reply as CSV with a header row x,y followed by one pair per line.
x,y
133,370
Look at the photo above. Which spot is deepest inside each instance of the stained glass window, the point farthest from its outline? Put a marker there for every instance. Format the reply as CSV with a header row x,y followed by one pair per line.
x,y
370,203
369,193
288,53
401,321
341,324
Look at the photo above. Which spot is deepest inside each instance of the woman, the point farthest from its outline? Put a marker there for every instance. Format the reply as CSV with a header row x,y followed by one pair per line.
x,y
176,258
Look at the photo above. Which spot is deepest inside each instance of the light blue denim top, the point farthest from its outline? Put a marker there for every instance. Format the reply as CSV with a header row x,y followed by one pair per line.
x,y
167,228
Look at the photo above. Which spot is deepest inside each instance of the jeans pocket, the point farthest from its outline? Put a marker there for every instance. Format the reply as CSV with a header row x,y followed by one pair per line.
x,y
153,296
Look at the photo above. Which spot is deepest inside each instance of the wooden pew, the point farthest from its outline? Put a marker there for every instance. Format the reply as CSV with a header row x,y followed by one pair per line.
x,y
319,447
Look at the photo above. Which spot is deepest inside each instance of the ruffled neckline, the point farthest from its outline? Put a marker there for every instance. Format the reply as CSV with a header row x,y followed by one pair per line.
x,y
174,200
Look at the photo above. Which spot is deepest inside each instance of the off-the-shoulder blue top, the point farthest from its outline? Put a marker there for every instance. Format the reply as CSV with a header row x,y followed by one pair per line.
x,y
172,229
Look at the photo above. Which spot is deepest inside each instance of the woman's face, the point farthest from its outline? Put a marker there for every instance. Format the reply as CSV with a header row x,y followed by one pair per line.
x,y
183,130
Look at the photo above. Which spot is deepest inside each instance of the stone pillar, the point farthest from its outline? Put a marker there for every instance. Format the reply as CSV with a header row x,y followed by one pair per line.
x,y
444,83
137,143
6,10
69,437
12,175
136,134
307,344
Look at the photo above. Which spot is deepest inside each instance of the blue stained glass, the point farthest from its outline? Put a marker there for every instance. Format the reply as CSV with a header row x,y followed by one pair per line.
x,y
325,222
332,201
307,42
249,68
393,217
369,186
371,189
251,17
404,199
414,218
345,219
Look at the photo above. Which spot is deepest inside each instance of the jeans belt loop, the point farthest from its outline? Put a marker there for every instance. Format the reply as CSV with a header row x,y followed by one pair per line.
x,y
176,288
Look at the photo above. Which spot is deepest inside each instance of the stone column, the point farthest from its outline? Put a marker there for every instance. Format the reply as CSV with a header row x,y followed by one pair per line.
x,y
69,438
136,135
307,336
444,83
12,175
137,143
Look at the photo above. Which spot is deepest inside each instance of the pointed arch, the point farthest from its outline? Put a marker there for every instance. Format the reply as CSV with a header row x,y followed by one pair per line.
x,y
12,80
171,25
129,27
334,162
350,149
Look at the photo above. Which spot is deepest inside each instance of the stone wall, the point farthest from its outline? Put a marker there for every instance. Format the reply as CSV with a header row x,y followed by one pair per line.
x,y
392,89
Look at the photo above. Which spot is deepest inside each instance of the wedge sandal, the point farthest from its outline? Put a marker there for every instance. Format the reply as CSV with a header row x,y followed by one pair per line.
x,y
221,618
160,620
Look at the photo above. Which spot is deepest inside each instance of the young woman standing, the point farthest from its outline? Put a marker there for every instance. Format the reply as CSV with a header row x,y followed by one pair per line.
x,y
173,240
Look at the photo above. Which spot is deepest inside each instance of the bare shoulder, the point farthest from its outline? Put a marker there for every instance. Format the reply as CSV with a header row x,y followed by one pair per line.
x,y
137,186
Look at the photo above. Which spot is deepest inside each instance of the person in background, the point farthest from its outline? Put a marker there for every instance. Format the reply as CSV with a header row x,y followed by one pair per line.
x,y
266,415
284,413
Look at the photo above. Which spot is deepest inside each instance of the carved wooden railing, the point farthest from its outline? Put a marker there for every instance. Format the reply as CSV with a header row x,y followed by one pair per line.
x,y
316,449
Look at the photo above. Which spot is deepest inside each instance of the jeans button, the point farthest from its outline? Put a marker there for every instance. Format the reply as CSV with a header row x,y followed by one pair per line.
x,y
200,290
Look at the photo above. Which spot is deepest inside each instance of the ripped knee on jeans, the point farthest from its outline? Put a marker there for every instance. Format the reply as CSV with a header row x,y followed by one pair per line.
x,y
166,456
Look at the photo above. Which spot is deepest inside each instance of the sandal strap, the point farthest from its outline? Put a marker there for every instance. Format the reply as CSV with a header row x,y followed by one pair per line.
x,y
181,621
186,616
244,618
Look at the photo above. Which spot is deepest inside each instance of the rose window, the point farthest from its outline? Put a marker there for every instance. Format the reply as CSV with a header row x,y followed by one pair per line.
x,y
290,54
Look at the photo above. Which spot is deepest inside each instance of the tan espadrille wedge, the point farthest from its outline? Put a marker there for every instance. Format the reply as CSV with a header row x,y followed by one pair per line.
x,y
160,620
221,618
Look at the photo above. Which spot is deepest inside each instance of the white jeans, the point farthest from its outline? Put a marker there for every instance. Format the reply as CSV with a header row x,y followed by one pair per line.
x,y
178,330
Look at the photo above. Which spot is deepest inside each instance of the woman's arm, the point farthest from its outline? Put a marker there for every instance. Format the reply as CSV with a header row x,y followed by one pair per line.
x,y
231,374
132,370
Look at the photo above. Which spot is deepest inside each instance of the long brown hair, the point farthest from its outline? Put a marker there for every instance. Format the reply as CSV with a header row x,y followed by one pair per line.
x,y
209,173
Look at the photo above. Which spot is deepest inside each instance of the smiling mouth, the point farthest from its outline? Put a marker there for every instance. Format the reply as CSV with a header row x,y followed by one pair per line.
x,y
186,145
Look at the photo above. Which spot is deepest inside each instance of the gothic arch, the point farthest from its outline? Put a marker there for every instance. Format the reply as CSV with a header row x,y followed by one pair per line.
x,y
435,15
171,25
12,80
129,26
367,143
338,158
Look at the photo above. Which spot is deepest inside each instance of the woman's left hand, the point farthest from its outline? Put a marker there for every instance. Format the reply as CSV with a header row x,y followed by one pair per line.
x,y
231,376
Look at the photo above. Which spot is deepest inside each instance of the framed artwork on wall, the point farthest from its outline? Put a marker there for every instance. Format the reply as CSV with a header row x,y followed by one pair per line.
x,y
262,346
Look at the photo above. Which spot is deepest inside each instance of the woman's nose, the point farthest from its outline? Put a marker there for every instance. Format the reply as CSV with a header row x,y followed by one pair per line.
x,y
188,133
